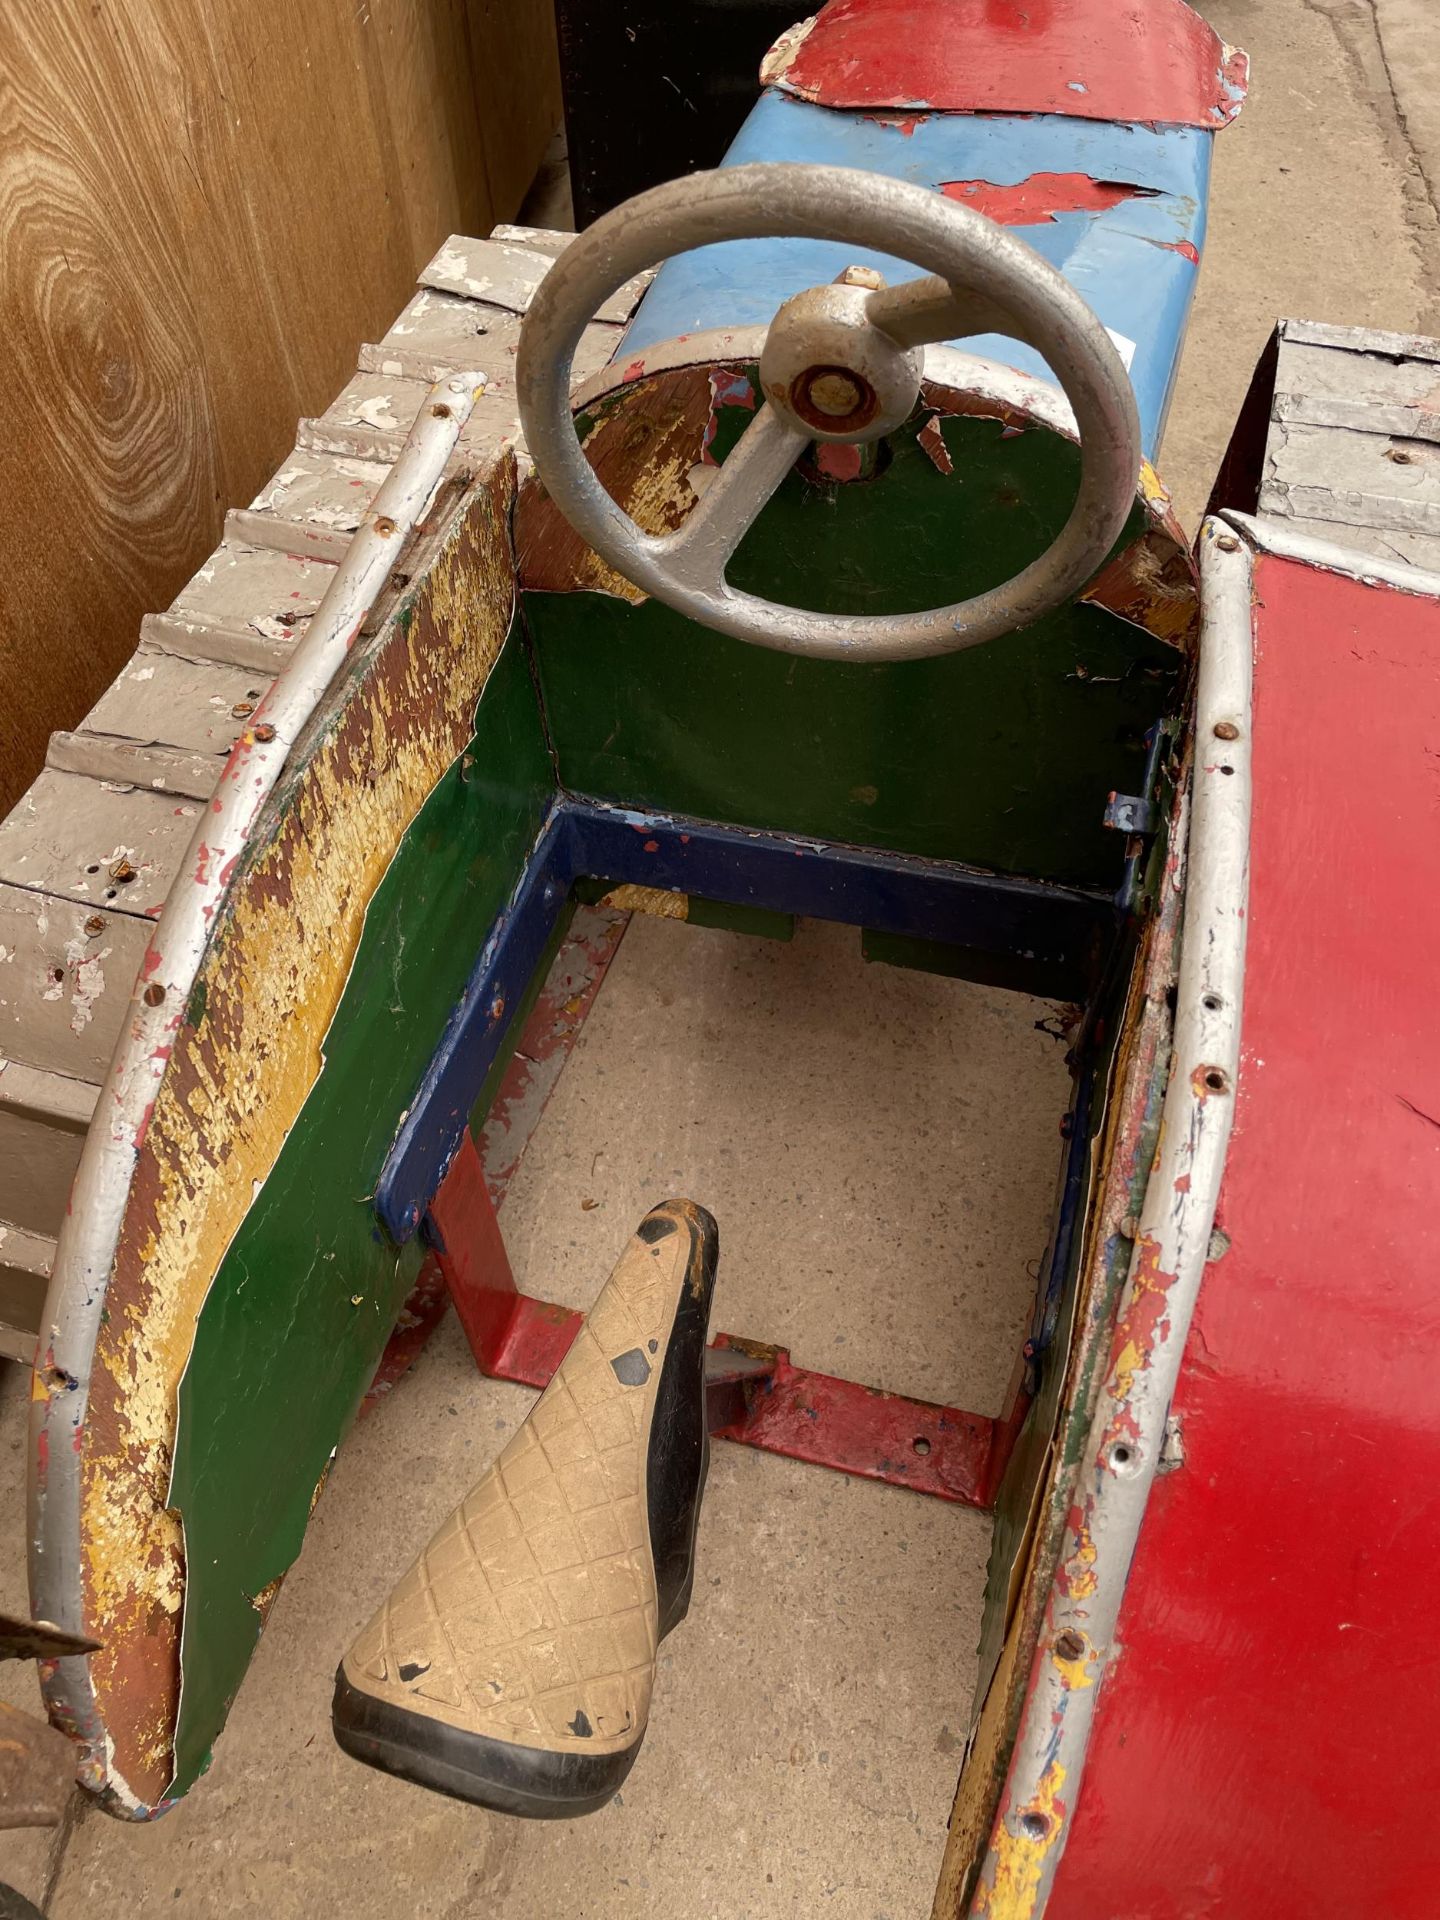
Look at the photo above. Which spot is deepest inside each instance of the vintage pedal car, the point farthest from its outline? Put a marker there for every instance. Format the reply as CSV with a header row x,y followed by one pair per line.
x,y
839,585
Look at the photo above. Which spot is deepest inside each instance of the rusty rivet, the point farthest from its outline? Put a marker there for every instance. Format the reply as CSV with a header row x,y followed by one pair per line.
x,y
440,411
154,994
1070,1645
122,872
384,526
1226,730
1227,543
242,709
95,924
265,731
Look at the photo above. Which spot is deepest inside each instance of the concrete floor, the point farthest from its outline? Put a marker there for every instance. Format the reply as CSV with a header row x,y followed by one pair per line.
x,y
879,1149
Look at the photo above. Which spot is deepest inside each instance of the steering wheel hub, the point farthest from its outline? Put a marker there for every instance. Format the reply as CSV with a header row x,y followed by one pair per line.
x,y
831,373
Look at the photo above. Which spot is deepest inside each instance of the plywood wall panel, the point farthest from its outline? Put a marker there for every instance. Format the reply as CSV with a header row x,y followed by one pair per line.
x,y
205,207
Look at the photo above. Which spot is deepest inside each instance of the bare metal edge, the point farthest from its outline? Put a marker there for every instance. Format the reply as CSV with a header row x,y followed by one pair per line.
x,y
1127,1436
90,1234
1278,537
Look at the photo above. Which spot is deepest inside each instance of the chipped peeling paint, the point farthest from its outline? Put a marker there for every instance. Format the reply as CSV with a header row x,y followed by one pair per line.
x,y
652,900
236,1082
1171,1247
1036,200
1022,1853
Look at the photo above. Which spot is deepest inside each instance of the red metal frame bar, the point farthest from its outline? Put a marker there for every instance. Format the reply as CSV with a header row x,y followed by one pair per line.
x,y
774,1405
554,1025
789,1410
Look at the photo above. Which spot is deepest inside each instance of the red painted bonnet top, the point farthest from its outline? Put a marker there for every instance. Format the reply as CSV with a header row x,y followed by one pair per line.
x,y
1154,61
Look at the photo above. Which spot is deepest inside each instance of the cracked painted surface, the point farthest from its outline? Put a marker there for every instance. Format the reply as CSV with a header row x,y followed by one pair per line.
x,y
246,1054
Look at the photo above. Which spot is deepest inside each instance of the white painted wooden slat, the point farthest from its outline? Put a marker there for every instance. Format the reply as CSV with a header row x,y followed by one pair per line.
x,y
66,972
505,273
100,756
195,640
43,1120
25,1263
255,590
112,849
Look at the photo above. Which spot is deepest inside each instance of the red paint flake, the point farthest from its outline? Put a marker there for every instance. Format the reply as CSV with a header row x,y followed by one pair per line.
x,y
903,123
932,440
651,846
1154,61
634,371
838,460
1187,249
1036,200
151,963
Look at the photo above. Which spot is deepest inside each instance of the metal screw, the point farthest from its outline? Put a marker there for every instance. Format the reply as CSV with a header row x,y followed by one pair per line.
x,y
1130,1227
1070,1645
1226,730
122,872
95,924
440,411
242,709
265,731
384,526
154,994
1227,543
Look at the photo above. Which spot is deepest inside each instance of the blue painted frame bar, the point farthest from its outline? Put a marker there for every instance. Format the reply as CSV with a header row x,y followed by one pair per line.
x,y
1066,930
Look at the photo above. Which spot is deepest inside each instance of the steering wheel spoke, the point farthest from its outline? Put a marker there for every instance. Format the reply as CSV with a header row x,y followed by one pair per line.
x,y
920,313
697,553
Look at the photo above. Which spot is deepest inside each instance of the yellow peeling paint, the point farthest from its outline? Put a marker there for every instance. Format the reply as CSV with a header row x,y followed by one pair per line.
x,y
654,900
1011,1889
658,498
273,974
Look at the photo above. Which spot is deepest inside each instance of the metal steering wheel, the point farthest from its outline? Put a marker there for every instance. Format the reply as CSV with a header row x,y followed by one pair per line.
x,y
840,362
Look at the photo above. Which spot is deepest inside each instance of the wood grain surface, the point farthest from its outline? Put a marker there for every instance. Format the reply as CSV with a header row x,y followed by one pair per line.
x,y
205,207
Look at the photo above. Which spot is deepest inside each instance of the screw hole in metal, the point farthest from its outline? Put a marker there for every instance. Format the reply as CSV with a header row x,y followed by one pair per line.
x,y
921,1444
1212,1003
1035,1826
1216,1080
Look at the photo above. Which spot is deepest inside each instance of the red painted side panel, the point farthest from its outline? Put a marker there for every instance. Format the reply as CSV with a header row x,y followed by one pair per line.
x,y
1266,1747
1144,60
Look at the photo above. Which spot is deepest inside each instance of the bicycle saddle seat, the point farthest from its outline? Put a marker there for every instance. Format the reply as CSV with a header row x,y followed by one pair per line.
x,y
512,1665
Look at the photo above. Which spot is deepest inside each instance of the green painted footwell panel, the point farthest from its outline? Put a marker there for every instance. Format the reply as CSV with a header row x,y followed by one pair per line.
x,y
308,1293
1002,756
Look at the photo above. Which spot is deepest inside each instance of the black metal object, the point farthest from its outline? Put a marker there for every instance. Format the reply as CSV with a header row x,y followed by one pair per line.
x,y
655,88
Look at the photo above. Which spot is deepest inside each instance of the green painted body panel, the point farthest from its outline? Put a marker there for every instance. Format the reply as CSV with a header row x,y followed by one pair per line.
x,y
1001,756
260,1411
